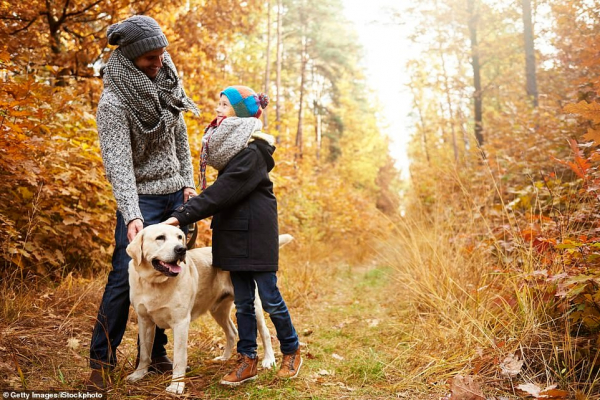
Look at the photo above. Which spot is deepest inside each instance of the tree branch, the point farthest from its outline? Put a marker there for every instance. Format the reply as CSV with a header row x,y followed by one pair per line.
x,y
25,27
85,9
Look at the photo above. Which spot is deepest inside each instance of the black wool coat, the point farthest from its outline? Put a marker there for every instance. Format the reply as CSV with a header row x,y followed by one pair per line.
x,y
244,208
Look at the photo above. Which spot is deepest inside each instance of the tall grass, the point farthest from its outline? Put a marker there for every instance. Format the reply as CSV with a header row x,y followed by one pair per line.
x,y
471,303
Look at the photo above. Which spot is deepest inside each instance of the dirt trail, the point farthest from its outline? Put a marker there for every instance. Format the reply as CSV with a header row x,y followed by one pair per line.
x,y
345,330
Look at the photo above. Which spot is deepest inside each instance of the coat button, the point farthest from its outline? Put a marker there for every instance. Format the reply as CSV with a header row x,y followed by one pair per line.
x,y
181,208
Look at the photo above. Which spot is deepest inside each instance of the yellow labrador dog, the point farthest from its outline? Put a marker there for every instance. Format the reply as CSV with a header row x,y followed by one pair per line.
x,y
171,286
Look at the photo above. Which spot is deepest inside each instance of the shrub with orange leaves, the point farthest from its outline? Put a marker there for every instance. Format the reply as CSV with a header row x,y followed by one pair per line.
x,y
55,210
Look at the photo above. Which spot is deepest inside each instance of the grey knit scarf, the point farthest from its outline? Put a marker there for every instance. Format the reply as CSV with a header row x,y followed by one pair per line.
x,y
223,142
154,105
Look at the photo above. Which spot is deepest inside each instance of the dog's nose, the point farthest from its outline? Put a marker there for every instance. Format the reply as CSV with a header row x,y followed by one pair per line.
x,y
180,250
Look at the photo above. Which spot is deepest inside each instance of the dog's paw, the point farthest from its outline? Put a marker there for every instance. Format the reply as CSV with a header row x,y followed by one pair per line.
x,y
176,387
137,375
269,361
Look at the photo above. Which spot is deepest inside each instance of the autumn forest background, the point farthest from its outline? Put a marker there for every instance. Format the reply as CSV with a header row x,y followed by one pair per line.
x,y
473,274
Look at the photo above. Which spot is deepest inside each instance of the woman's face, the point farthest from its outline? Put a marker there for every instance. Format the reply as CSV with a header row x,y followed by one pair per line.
x,y
224,108
151,62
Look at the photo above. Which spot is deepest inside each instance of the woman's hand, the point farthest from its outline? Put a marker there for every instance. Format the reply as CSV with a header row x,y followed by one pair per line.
x,y
171,221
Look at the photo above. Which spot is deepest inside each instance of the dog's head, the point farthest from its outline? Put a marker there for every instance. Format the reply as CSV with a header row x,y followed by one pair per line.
x,y
158,249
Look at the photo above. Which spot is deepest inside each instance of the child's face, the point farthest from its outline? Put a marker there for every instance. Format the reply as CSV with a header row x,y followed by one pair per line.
x,y
224,108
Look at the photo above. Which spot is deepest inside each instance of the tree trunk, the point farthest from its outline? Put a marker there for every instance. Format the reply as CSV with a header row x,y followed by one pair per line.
x,y
318,134
304,62
477,95
448,98
530,73
278,68
268,62
303,66
423,128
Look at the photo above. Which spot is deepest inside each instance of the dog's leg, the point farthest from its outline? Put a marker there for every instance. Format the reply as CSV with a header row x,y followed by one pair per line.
x,y
269,356
180,341
222,314
146,334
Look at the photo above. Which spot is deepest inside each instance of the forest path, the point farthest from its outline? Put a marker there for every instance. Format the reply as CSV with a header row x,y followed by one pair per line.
x,y
342,331
348,329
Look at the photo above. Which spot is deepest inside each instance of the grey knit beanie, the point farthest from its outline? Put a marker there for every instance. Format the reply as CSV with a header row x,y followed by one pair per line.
x,y
136,35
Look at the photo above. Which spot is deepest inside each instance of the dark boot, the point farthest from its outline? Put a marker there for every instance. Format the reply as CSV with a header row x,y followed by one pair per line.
x,y
161,365
99,380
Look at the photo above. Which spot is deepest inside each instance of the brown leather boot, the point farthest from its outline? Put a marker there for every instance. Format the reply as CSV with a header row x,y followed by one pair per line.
x,y
245,370
290,365
99,380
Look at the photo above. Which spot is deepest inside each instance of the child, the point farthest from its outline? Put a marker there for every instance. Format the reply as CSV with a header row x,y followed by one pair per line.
x,y
245,231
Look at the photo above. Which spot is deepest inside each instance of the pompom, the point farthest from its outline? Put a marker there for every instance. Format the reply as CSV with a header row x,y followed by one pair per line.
x,y
263,99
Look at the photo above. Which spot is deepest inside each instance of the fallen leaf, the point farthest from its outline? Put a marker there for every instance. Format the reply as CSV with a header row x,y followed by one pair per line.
x,y
531,389
465,388
554,394
548,393
73,343
337,356
511,366
373,323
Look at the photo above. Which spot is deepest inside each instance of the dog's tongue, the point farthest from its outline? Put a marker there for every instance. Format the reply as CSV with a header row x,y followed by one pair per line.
x,y
174,268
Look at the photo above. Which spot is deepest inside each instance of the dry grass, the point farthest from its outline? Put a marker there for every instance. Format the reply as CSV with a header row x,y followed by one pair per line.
x,y
471,304
45,333
430,304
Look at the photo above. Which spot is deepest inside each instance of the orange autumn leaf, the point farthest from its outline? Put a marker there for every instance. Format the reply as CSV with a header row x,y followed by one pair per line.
x,y
587,110
593,135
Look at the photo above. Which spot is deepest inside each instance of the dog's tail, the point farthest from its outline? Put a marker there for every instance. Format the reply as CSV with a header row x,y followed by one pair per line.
x,y
285,239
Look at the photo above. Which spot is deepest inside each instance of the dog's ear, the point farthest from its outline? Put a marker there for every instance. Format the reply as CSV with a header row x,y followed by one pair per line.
x,y
134,249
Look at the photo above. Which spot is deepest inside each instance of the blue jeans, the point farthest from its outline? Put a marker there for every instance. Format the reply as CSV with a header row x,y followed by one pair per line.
x,y
272,302
114,308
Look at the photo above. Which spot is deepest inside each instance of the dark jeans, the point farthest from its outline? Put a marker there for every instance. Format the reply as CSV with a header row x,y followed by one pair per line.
x,y
273,304
114,308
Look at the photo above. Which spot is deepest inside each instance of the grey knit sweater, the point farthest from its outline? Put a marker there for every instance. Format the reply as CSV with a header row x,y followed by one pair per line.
x,y
136,164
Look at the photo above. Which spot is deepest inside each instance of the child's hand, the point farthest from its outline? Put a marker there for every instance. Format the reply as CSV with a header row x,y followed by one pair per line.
x,y
188,193
171,221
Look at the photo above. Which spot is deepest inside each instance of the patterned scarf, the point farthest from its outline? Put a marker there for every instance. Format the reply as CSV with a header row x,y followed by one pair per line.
x,y
221,142
154,105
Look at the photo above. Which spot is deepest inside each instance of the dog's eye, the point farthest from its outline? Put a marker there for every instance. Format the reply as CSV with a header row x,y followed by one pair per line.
x,y
180,237
161,237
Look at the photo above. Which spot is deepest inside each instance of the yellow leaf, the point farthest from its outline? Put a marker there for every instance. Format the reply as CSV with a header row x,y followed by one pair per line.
x,y
25,193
